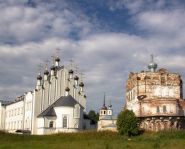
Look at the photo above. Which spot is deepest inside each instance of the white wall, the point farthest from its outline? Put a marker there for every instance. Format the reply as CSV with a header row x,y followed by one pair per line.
x,y
14,116
2,116
74,121
28,111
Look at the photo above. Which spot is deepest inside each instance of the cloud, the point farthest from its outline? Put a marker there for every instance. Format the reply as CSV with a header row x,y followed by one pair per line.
x,y
160,22
29,34
22,23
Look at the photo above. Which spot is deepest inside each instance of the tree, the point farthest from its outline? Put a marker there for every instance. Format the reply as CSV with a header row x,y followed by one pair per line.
x,y
127,123
93,116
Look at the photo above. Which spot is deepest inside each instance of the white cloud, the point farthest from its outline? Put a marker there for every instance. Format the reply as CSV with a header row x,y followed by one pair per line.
x,y
167,21
106,57
21,23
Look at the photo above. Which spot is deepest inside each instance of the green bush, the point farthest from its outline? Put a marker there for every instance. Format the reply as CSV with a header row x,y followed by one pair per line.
x,y
127,123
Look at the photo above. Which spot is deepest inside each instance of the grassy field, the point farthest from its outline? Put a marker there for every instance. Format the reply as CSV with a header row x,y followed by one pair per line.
x,y
94,140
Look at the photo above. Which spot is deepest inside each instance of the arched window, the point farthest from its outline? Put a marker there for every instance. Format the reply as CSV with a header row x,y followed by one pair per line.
x,y
64,121
51,124
77,111
164,109
163,80
158,110
133,94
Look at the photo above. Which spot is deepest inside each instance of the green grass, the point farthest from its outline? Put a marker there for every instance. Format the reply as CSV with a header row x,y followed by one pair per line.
x,y
94,140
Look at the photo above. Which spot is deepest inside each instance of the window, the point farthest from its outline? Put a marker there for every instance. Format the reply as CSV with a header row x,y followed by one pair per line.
x,y
158,110
163,80
51,124
77,111
133,94
15,125
65,122
164,109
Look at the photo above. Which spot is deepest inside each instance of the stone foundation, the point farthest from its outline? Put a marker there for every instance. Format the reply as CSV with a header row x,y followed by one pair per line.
x,y
158,123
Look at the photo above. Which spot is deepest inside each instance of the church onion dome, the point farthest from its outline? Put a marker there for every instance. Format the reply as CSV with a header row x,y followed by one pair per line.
x,y
152,65
81,84
39,77
57,59
70,71
67,89
53,67
76,78
46,72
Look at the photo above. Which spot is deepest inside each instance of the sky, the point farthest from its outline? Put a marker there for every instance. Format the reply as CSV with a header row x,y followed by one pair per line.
x,y
107,39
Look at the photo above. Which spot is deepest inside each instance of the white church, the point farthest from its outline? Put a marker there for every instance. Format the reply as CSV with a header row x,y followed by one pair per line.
x,y
57,104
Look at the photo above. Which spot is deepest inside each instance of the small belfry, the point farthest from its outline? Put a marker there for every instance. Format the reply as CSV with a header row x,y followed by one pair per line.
x,y
107,121
57,104
103,110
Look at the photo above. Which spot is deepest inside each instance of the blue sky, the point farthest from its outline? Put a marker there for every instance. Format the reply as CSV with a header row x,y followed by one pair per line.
x,y
108,39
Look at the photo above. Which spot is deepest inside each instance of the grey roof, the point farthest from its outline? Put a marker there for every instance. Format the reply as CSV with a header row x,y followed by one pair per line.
x,y
108,117
64,101
48,112
5,103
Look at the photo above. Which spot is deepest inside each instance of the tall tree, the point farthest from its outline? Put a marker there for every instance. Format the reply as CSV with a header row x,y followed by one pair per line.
x,y
93,116
127,123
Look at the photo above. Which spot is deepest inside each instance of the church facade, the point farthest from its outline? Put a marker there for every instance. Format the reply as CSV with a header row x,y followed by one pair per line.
x,y
156,98
57,104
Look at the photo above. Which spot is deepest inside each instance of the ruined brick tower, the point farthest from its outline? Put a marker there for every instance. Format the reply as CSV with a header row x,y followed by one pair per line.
x,y
156,98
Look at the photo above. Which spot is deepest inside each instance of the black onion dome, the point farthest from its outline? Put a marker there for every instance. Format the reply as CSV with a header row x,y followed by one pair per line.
x,y
76,78
57,59
53,67
46,72
39,77
70,71
67,89
81,84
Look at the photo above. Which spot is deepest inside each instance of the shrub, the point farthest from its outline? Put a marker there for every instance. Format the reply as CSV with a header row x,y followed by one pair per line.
x,y
127,123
